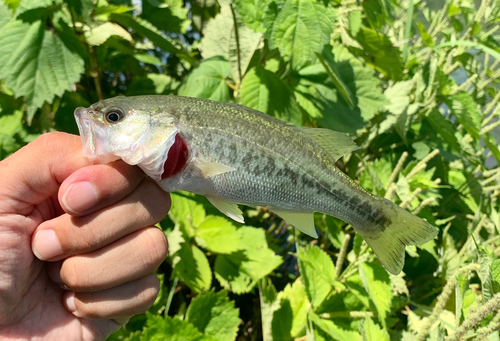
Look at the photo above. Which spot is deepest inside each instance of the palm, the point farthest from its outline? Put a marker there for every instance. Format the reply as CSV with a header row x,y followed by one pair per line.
x,y
37,300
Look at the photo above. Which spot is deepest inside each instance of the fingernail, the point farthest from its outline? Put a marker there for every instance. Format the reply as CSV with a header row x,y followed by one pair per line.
x,y
46,245
69,302
80,197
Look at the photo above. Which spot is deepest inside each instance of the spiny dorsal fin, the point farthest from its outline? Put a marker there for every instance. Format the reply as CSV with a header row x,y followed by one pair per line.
x,y
209,169
304,222
228,208
335,143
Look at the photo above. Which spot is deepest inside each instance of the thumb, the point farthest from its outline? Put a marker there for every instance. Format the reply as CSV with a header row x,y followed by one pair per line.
x,y
35,172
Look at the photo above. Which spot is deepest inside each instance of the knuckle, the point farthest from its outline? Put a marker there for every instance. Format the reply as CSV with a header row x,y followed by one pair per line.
x,y
74,274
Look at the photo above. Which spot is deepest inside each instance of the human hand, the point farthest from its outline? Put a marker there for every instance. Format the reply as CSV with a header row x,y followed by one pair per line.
x,y
91,227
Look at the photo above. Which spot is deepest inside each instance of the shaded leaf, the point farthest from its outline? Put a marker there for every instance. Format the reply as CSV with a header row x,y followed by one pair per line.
x,y
214,315
332,330
191,264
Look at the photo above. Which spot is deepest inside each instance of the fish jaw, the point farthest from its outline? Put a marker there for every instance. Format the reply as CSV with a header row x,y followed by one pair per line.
x,y
93,138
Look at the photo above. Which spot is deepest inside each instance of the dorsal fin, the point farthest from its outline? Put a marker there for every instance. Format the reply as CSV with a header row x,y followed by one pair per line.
x,y
335,143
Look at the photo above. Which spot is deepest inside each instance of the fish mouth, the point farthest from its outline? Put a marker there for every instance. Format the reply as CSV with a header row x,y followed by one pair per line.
x,y
93,138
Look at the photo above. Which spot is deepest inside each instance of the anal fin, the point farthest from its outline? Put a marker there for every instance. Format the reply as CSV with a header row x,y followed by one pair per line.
x,y
228,208
304,222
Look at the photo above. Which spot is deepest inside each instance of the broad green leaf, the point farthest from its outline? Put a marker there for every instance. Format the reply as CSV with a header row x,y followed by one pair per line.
x,y
160,328
356,287
263,90
146,29
191,264
214,315
297,308
186,212
444,128
36,64
332,108
355,19
99,34
241,270
467,112
460,289
167,15
217,234
398,95
237,44
5,15
332,330
252,13
317,272
379,52
282,321
301,28
372,332
208,80
495,274
10,126
378,286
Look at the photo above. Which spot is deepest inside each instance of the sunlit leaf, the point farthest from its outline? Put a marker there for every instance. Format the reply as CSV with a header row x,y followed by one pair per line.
x,y
378,286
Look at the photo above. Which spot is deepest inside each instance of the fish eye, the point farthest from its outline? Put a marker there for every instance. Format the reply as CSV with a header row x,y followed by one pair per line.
x,y
114,115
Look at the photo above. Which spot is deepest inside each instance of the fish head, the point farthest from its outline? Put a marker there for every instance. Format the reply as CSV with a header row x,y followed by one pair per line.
x,y
126,128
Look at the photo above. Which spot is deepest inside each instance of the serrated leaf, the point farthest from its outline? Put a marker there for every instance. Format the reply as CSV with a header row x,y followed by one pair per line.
x,y
208,80
263,90
301,28
172,329
485,261
146,29
378,286
317,271
36,64
191,264
269,303
241,270
467,111
398,96
333,109
297,308
99,34
332,330
444,128
379,52
214,315
355,19
186,212
218,235
372,332
237,44
252,13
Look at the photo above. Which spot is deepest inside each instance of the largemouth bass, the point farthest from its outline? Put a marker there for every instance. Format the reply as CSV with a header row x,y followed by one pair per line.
x,y
235,155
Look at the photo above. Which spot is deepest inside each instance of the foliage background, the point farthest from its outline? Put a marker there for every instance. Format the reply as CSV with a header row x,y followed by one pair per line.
x,y
413,82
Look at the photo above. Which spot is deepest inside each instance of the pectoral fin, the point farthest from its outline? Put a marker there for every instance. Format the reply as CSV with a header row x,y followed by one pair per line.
x,y
228,208
209,169
304,222
335,143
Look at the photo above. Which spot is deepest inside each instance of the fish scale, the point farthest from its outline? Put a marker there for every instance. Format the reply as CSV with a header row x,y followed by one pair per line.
x,y
238,155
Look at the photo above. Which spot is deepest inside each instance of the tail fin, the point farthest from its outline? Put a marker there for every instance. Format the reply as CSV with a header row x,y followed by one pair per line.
x,y
403,229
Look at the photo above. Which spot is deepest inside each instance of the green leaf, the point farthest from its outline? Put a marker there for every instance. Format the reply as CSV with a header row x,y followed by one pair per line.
x,y
241,270
327,60
301,28
372,332
355,19
149,31
467,111
378,286
460,289
282,321
36,64
99,34
152,83
218,235
485,261
333,330
167,15
171,329
252,13
263,90
444,128
269,303
379,52
294,300
236,43
191,264
208,80
186,212
317,271
214,315
333,110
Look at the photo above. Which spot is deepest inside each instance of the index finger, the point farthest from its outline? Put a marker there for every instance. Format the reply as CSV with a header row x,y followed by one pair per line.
x,y
94,187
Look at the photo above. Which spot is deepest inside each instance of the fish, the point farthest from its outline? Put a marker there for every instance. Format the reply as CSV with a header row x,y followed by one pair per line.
x,y
235,155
